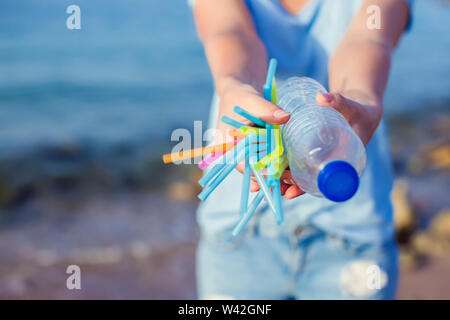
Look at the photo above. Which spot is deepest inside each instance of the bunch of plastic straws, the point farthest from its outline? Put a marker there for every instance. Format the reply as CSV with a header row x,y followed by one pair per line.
x,y
259,146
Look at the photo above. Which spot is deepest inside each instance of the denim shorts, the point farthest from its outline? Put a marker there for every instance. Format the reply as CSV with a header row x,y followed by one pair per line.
x,y
323,250
306,263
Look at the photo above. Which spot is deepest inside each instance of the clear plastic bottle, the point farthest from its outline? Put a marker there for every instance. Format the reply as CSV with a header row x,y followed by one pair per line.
x,y
325,155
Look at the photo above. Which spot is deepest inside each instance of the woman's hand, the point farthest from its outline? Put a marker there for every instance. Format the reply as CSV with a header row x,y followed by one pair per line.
x,y
247,97
363,114
234,93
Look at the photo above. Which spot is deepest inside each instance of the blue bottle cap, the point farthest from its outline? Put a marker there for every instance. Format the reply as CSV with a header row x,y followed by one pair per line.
x,y
338,181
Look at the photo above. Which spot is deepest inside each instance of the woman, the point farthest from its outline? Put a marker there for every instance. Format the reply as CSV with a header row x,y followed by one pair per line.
x,y
324,250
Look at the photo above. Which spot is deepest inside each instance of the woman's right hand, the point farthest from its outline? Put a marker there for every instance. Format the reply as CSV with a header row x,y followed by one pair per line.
x,y
235,93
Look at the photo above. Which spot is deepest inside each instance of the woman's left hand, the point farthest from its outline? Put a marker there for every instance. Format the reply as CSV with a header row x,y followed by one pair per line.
x,y
362,112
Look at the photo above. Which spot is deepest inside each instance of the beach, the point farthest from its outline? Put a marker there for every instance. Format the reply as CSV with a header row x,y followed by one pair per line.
x,y
85,118
137,240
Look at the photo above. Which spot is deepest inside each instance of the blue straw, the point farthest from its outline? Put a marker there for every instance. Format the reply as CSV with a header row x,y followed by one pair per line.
x,y
265,188
232,122
248,214
221,176
267,87
219,166
269,144
277,200
248,116
275,183
254,148
270,168
211,173
267,90
245,180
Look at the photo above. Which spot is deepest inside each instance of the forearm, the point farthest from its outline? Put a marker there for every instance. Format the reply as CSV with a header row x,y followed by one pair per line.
x,y
236,58
359,67
359,70
234,51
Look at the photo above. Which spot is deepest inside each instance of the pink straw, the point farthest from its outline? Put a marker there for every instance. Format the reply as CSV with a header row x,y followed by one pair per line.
x,y
206,162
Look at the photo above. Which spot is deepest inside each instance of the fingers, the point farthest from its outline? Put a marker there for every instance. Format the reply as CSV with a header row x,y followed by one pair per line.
x,y
293,192
240,167
286,177
263,109
254,186
286,182
289,190
337,101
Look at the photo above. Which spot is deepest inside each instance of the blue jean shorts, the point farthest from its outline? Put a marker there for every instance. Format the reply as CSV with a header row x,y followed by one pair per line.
x,y
323,250
304,264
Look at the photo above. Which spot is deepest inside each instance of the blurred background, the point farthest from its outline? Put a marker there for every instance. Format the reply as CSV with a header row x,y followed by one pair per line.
x,y
86,114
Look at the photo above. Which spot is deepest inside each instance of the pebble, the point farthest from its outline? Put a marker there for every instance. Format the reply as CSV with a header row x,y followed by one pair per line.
x,y
403,213
181,191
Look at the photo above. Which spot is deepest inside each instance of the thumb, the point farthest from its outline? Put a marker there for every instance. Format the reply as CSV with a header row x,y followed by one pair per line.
x,y
265,110
337,101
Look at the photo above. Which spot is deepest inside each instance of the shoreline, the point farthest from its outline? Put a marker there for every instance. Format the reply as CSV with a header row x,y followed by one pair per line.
x,y
132,219
74,166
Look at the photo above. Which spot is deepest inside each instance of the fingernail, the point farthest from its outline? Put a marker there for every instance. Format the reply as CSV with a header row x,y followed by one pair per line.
x,y
327,97
280,114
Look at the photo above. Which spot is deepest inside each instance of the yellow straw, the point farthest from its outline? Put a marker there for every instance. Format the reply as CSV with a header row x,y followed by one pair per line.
x,y
280,167
237,133
274,92
276,153
253,130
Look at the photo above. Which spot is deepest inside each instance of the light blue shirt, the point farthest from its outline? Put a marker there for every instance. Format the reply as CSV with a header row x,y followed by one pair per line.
x,y
302,44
